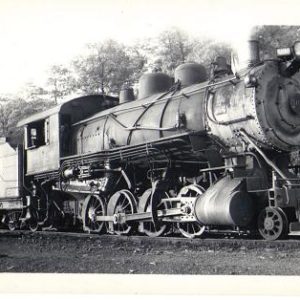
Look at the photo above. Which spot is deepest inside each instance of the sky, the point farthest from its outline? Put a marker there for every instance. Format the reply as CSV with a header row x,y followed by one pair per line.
x,y
36,34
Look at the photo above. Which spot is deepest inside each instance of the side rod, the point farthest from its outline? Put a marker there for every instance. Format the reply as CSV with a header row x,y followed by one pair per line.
x,y
122,218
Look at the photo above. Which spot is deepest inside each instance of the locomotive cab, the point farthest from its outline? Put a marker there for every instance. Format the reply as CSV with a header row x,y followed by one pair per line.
x,y
46,133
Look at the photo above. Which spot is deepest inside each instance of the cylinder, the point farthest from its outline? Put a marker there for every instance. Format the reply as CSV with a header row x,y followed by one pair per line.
x,y
224,204
153,83
190,73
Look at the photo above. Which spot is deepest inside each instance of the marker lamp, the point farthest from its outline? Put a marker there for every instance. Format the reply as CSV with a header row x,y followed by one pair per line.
x,y
284,52
250,80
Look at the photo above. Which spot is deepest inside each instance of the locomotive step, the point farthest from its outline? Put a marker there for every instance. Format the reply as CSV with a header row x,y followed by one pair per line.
x,y
294,227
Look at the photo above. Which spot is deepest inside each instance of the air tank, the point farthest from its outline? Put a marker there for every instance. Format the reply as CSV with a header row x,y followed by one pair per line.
x,y
153,83
190,73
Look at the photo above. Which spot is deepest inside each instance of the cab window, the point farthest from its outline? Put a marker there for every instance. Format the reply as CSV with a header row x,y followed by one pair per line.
x,y
38,134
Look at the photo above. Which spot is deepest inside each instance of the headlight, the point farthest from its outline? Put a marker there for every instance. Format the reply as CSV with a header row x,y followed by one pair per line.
x,y
297,49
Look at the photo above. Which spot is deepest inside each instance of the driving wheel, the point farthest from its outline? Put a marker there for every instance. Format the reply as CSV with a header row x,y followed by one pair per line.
x,y
120,203
94,206
191,229
149,228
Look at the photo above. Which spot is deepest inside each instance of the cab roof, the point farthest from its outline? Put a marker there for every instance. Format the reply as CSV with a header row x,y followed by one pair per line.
x,y
99,100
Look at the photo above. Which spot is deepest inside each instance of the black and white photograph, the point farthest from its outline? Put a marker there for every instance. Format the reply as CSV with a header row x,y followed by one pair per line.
x,y
150,146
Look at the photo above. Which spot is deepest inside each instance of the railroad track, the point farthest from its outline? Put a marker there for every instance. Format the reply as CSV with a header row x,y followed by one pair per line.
x,y
208,242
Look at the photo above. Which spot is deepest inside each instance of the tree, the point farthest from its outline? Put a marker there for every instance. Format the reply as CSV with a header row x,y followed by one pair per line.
x,y
137,63
171,48
5,113
12,110
32,92
205,51
105,67
61,82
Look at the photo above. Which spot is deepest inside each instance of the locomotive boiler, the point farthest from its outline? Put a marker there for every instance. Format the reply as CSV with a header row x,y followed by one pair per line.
x,y
191,154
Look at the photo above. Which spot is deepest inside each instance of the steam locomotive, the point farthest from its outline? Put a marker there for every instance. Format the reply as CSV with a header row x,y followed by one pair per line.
x,y
194,154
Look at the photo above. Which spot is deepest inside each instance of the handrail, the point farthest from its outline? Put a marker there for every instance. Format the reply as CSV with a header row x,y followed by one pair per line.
x,y
267,160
